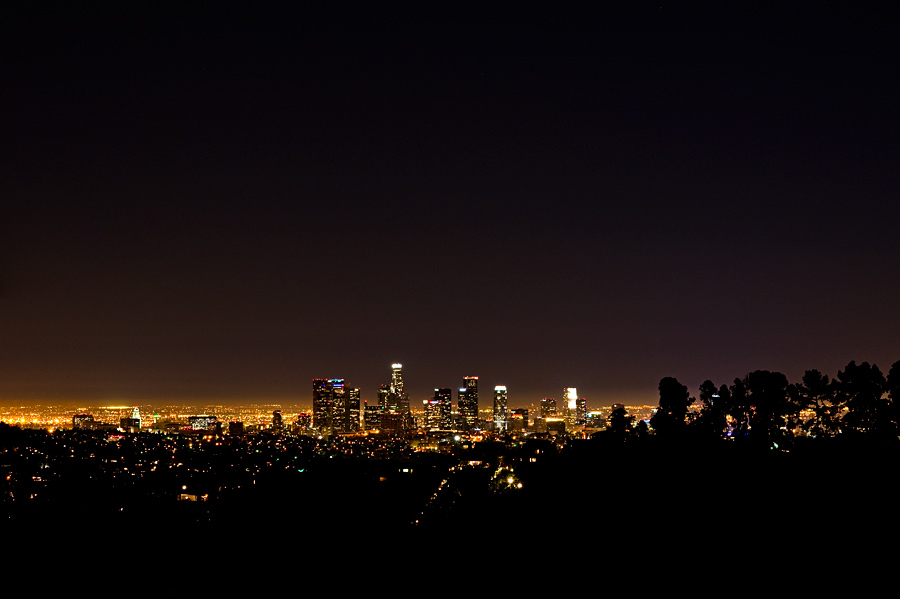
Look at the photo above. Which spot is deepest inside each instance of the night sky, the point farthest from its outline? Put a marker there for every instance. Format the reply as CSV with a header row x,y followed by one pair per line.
x,y
220,203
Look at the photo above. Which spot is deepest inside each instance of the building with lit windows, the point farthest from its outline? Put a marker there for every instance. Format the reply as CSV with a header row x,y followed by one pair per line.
x,y
432,408
203,423
386,400
303,421
467,402
371,417
82,421
518,420
353,414
444,397
323,400
548,407
391,397
335,406
397,379
581,412
571,405
501,409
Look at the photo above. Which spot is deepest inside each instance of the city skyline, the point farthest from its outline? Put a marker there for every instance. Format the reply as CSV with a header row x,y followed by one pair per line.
x,y
224,203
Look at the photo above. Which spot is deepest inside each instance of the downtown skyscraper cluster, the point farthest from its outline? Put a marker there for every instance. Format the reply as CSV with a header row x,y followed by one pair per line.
x,y
337,407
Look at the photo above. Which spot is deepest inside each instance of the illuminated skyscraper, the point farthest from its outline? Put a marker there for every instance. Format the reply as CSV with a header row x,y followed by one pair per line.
x,y
581,412
385,401
323,400
432,408
468,401
372,417
391,397
335,406
571,399
501,415
397,379
352,422
444,397
548,407
338,405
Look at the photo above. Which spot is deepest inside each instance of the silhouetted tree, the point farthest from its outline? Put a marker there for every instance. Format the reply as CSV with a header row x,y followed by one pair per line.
x,y
641,429
816,393
711,421
893,391
860,389
674,401
620,423
767,396
738,408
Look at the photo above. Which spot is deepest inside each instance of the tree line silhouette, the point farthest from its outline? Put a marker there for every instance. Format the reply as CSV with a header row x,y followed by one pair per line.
x,y
764,407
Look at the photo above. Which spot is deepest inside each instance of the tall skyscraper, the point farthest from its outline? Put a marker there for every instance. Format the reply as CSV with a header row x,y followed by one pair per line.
x,y
397,379
386,402
352,422
468,401
323,398
501,414
444,397
581,412
335,406
338,405
391,397
432,408
548,407
571,399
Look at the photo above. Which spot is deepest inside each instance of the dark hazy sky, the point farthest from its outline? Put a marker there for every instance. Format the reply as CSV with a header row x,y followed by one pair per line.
x,y
223,202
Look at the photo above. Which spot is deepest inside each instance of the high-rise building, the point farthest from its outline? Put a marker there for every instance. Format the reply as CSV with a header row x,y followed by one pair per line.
x,y
323,400
432,409
400,398
371,416
339,405
277,420
303,421
468,401
353,412
571,399
397,379
386,401
444,397
581,412
391,397
501,414
335,406
518,419
548,407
